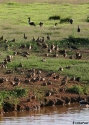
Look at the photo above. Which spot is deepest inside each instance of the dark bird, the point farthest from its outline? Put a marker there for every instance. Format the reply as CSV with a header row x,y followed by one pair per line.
x,y
33,39
1,38
78,30
71,21
56,24
31,23
48,37
41,24
25,37
83,102
78,79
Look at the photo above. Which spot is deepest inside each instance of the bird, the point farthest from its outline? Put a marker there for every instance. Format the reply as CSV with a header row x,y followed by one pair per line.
x,y
31,23
78,29
25,37
33,39
1,38
41,24
71,21
78,79
48,37
56,24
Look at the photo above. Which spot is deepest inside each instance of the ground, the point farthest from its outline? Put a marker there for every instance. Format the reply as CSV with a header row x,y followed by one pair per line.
x,y
45,89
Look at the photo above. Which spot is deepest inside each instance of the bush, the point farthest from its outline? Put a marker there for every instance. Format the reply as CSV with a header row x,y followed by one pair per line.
x,y
64,20
54,18
87,19
76,89
19,92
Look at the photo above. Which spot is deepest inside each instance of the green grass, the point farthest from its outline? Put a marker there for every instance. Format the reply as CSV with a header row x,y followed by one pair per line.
x,y
79,68
14,19
78,89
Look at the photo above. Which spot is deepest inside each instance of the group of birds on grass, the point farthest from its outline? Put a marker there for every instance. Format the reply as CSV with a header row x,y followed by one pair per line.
x,y
33,24
39,41
41,23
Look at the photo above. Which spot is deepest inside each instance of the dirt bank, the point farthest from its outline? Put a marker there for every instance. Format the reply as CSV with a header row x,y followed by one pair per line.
x,y
44,89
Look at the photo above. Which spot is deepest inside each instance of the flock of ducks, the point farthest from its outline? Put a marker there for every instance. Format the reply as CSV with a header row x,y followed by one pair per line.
x,y
33,24
34,76
52,49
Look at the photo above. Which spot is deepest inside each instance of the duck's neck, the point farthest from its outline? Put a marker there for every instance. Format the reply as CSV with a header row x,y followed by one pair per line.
x,y
29,19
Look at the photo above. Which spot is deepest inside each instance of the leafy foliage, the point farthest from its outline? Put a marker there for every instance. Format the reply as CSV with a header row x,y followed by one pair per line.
x,y
64,20
78,89
54,17
87,19
12,94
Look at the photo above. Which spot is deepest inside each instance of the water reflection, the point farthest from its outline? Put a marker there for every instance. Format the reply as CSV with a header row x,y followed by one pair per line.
x,y
58,115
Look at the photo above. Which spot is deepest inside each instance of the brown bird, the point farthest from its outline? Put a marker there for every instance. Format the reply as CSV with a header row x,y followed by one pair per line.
x,y
1,38
48,37
25,37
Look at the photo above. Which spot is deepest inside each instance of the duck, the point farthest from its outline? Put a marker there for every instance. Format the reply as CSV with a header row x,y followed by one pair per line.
x,y
84,103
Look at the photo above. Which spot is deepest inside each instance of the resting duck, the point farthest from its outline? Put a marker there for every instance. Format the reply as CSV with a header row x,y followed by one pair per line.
x,y
84,102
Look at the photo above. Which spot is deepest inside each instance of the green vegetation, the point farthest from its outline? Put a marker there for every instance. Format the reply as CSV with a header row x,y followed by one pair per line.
x,y
87,19
16,25
12,96
54,18
64,20
78,89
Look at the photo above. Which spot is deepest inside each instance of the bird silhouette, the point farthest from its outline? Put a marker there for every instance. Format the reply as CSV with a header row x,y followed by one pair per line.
x,y
71,21
41,24
78,79
30,22
25,37
78,30
48,37
56,24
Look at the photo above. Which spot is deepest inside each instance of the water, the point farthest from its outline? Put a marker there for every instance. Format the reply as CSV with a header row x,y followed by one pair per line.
x,y
58,115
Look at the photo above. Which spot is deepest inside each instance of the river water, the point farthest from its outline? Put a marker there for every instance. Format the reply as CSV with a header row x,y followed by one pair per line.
x,y
58,115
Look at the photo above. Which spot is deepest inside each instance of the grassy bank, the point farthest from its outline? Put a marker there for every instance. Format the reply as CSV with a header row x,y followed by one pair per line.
x,y
20,60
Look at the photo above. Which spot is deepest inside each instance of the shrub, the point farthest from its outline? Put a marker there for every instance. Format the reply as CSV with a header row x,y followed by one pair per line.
x,y
19,92
64,20
85,89
87,19
76,89
54,18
